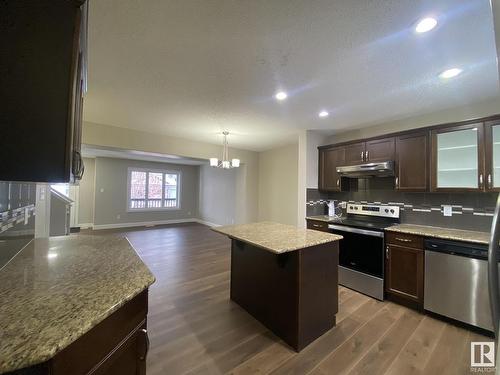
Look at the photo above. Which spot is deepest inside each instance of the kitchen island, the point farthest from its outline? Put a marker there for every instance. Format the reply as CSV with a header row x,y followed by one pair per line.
x,y
74,305
285,277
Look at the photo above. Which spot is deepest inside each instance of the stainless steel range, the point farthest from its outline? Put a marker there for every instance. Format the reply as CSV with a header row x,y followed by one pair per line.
x,y
361,256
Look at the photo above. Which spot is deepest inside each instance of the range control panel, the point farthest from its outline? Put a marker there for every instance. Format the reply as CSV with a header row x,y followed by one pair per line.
x,y
373,210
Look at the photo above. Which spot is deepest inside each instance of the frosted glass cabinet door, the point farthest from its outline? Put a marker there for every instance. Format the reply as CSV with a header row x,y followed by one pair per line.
x,y
495,139
457,159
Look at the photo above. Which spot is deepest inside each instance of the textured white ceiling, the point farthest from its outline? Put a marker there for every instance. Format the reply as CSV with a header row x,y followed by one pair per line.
x,y
194,68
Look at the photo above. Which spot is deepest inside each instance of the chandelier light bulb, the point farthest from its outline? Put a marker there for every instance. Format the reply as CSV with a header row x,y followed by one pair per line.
x,y
214,162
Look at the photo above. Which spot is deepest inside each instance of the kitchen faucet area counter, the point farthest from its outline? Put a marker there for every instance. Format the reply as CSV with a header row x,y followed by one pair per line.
x,y
285,277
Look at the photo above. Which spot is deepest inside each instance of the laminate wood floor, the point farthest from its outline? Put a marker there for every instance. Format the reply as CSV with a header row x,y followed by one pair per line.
x,y
195,329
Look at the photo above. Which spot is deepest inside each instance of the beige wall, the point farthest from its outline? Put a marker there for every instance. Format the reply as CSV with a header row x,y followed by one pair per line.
x,y
278,176
247,186
86,193
481,109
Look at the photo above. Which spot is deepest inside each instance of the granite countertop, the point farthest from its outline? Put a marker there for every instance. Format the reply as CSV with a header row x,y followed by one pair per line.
x,y
275,237
426,231
55,290
443,233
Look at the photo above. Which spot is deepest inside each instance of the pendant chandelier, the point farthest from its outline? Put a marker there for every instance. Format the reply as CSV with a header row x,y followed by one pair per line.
x,y
224,162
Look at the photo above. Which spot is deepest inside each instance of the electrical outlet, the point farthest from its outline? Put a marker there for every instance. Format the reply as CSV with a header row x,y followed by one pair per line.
x,y
118,217
102,190
189,213
447,210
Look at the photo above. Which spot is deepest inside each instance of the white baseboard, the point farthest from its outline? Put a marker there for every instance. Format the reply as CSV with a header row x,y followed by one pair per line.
x,y
85,225
144,223
208,223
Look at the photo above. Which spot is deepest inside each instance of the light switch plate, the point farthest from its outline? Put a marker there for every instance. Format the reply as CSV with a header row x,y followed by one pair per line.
x,y
447,210
343,205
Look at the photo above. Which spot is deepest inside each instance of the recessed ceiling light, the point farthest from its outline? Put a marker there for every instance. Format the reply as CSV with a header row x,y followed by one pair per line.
x,y
450,73
323,114
281,95
426,24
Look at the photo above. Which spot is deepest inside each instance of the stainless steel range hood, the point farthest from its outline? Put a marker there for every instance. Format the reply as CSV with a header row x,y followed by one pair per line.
x,y
382,169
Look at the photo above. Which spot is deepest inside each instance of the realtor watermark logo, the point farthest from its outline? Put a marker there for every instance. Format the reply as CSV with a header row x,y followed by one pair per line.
x,y
482,356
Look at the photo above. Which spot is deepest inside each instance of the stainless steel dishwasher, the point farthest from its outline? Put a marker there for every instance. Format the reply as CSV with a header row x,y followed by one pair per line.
x,y
456,281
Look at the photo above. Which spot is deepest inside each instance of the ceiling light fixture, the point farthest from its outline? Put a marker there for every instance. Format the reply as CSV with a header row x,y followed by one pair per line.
x,y
281,95
450,73
426,24
225,163
323,114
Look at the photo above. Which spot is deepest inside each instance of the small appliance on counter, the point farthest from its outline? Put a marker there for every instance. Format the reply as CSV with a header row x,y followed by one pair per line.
x,y
334,209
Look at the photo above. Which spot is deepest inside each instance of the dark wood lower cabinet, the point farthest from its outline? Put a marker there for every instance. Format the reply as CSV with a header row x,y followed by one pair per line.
x,y
116,346
318,225
404,275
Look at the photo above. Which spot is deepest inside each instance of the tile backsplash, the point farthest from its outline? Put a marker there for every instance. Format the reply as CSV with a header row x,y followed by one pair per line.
x,y
17,217
471,210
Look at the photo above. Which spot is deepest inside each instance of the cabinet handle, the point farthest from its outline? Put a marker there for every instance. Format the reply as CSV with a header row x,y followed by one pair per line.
x,y
397,182
481,181
387,252
489,181
362,156
402,239
144,333
338,182
366,156
316,226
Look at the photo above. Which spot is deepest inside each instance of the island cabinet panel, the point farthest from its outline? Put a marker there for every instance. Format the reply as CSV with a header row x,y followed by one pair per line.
x,y
294,294
412,162
380,150
404,269
329,160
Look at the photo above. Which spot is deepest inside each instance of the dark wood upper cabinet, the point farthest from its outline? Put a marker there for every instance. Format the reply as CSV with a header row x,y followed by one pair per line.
x,y
380,150
43,83
373,151
329,160
354,153
492,155
457,158
412,162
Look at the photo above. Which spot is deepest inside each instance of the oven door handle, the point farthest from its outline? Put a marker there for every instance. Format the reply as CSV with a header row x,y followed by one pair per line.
x,y
343,228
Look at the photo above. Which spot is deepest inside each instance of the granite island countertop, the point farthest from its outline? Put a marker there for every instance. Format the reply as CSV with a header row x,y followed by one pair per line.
x,y
55,290
275,237
443,233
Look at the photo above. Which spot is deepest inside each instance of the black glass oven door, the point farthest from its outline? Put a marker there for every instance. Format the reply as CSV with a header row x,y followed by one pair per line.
x,y
362,252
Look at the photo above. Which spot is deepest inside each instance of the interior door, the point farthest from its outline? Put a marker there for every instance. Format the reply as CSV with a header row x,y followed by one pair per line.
x,y
380,150
355,153
457,158
329,160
